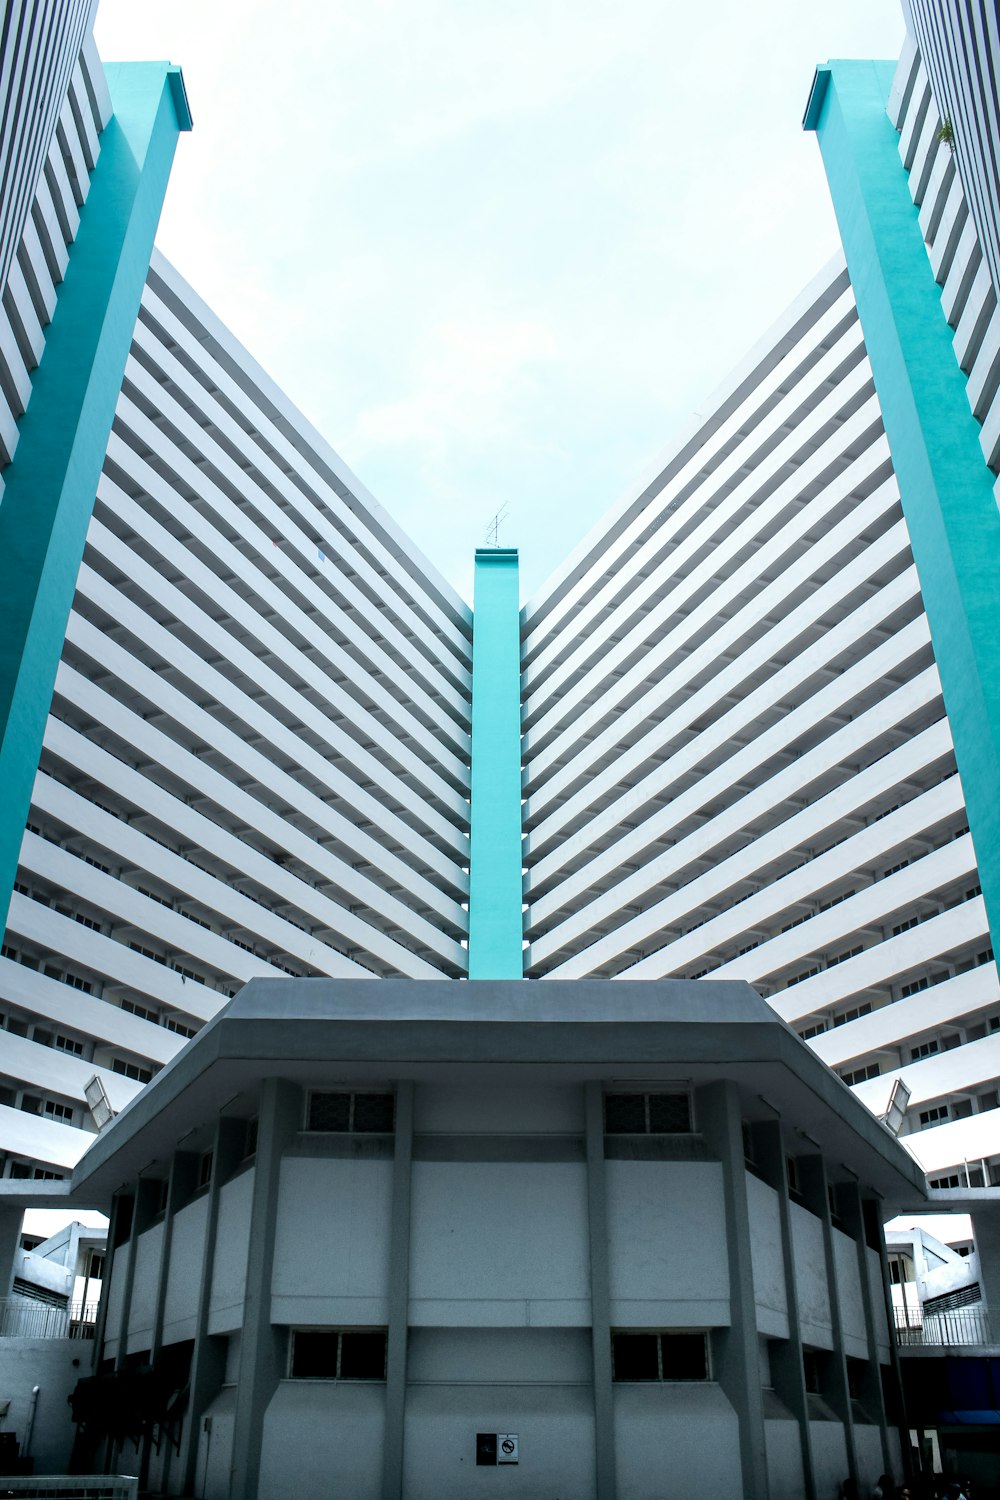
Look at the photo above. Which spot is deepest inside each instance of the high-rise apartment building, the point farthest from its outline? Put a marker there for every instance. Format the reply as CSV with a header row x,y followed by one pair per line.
x,y
245,731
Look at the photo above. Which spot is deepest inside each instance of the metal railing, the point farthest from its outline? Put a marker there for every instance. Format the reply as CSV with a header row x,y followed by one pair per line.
x,y
71,1487
21,1318
958,1326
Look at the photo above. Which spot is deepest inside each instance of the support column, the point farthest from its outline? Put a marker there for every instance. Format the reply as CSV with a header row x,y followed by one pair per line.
x,y
399,1296
10,1242
147,1197
208,1360
63,436
496,925
263,1348
945,486
770,1151
600,1293
121,1204
815,1191
872,1211
179,1188
851,1210
986,1233
720,1121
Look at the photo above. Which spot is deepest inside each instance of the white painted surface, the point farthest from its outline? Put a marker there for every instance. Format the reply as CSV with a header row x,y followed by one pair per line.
x,y
184,1271
323,1437
342,1205
810,1278
675,1438
767,1258
668,1265
229,1269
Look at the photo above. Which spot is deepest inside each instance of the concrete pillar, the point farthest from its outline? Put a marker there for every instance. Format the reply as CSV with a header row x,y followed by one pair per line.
x,y
399,1296
986,1233
180,1185
263,1348
850,1210
121,1204
814,1187
146,1206
786,1358
208,1360
719,1119
600,1294
10,1242
872,1211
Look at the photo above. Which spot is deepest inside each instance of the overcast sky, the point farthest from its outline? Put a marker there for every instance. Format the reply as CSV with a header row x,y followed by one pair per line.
x,y
498,250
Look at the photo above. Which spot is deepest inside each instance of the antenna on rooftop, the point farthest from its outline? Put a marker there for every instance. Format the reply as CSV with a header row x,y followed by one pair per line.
x,y
492,538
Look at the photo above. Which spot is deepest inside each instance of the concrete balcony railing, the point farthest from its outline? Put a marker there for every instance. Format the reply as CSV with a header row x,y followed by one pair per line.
x,y
21,1318
956,1327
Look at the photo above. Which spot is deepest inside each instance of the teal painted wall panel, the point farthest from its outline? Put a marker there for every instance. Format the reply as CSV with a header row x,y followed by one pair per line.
x,y
51,484
945,485
495,877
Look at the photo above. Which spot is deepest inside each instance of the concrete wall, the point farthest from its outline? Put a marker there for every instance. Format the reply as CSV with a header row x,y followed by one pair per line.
x,y
783,1443
673,1439
148,1254
810,1278
184,1271
331,1257
229,1270
770,1292
667,1244
55,1366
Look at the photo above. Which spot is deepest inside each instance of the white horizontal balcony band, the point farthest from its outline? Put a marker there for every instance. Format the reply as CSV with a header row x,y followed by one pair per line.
x,y
258,575
362,724
628,590
103,831
59,1146
786,783
984,376
904,79
798,829
200,832
764,597
28,330
916,113
387,649
856,851
961,274
927,150
117,963
242,809
237,375
204,726
86,1015
890,1025
960,1070
974,321
939,185
442,653
954,216
211,684
444,809
884,962
777,363
774,525
643,794
970,1140
53,1072
124,905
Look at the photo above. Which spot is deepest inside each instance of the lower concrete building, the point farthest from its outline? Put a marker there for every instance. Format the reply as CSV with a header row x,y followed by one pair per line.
x,y
559,1240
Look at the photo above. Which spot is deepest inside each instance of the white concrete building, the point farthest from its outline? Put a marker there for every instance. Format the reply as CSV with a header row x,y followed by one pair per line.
x,y
594,1221
748,748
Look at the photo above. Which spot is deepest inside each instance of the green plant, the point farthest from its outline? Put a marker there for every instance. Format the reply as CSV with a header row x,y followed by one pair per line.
x,y
946,134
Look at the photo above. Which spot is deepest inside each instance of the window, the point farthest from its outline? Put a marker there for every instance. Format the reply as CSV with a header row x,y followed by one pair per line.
x,y
142,1011
923,1049
659,1356
647,1114
131,1070
861,1075
362,1114
337,1354
205,1169
180,1027
250,1139
808,1032
67,1044
58,1111
953,1180
853,1014
931,1116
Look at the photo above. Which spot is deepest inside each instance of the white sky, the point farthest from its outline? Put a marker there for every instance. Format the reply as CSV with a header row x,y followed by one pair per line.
x,y
497,250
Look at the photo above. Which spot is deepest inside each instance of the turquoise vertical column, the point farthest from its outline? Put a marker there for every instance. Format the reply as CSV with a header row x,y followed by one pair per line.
x,y
495,882
63,437
944,483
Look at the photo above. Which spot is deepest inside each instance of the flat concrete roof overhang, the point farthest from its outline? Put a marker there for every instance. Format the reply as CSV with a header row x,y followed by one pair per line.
x,y
682,1032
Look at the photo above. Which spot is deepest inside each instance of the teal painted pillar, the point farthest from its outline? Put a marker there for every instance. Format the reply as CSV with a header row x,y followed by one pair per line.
x,y
52,482
944,483
495,877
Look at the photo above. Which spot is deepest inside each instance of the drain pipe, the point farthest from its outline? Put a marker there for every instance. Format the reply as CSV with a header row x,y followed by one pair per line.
x,y
29,1424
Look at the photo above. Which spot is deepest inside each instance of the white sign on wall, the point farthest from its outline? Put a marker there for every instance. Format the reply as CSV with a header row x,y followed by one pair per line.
x,y
507,1447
